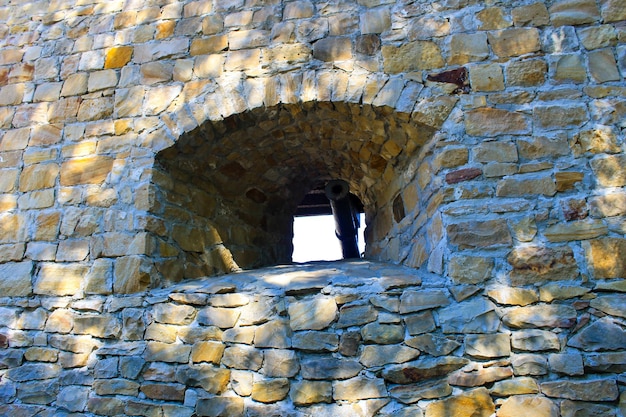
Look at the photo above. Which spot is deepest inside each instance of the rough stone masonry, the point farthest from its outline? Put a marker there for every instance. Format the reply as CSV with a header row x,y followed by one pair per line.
x,y
153,153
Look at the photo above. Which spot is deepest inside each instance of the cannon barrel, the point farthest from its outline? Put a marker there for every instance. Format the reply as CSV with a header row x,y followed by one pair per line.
x,y
346,217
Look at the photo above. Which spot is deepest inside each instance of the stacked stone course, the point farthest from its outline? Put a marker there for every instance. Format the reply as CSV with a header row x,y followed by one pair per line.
x,y
146,144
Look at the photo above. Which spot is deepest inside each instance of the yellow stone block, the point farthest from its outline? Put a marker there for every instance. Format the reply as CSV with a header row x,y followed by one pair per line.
x,y
86,170
118,56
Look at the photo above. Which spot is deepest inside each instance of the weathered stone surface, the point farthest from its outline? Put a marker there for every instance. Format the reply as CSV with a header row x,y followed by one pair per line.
x,y
605,257
561,291
316,341
540,315
605,362
479,234
329,368
310,392
243,357
535,340
409,394
359,388
566,363
316,314
590,390
529,364
533,264
412,301
422,370
384,334
473,316
280,363
474,403
211,379
433,345
223,318
466,48
614,304
515,386
535,405
270,390
582,409
356,315
486,346
209,351
373,355
16,281
220,406
574,12
513,296
275,334
494,122
470,269
603,334
579,230
417,55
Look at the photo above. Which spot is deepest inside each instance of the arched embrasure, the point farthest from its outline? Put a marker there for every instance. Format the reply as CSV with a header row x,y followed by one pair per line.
x,y
228,190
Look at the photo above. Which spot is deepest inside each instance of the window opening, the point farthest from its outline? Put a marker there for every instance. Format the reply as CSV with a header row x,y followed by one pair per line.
x,y
315,228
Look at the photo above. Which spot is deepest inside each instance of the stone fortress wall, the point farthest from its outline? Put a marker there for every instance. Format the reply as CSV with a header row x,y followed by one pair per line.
x,y
146,144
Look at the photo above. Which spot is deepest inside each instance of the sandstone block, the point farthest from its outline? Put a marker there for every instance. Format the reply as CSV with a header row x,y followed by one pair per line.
x,y
540,315
612,304
420,323
220,406
601,139
422,370
223,318
412,301
535,340
409,394
579,408
16,279
523,185
373,355
333,49
574,12
211,379
529,364
131,274
480,376
118,56
86,170
280,363
310,392
417,55
577,230
243,357
474,403
479,234
375,21
316,341
513,296
466,48
356,315
535,14
590,390
495,122
270,390
359,388
329,368
569,68
514,42
566,363
610,171
274,334
476,315
602,66
60,279
486,346
561,291
383,334
535,405
486,77
209,351
534,264
167,352
173,314
315,314
515,386
102,326
603,334
605,257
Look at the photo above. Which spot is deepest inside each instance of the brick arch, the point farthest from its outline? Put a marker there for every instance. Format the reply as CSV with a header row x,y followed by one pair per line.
x,y
226,189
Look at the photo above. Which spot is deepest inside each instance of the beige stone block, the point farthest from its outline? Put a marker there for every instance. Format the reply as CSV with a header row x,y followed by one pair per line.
x,y
16,279
450,158
486,77
105,326
246,39
526,73
606,257
473,403
99,279
534,264
118,56
601,139
514,42
38,199
63,110
15,139
47,226
524,185
86,170
567,180
470,269
359,388
575,230
72,250
310,392
610,171
535,14
131,274
210,45
95,109
375,21
47,92
38,176
528,405
466,48
314,314
60,321
417,55
100,80
60,279
596,37
161,333
561,291
247,60
569,68
487,346
602,66
12,94
157,99
12,228
513,296
540,315
574,12
494,122
8,180
207,352
493,18
270,390
613,10
45,135
167,352
608,205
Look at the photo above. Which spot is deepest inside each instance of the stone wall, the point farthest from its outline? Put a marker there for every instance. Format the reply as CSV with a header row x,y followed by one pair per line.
x,y
147,144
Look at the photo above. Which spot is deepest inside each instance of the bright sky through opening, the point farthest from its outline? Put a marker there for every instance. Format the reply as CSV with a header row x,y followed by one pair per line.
x,y
314,239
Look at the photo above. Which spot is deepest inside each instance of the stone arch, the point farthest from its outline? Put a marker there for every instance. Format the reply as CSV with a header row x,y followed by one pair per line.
x,y
226,190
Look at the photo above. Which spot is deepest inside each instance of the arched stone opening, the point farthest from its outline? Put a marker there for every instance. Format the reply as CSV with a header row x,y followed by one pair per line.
x,y
226,192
